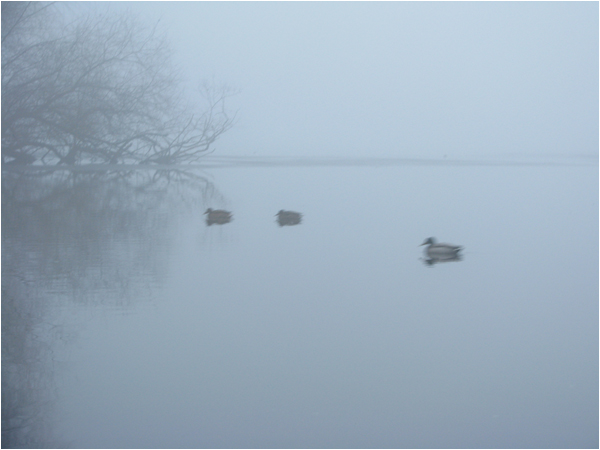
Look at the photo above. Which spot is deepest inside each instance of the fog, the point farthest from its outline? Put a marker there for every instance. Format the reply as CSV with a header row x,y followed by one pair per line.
x,y
129,322
396,79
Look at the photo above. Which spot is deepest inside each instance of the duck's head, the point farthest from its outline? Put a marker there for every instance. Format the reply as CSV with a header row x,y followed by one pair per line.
x,y
208,211
430,240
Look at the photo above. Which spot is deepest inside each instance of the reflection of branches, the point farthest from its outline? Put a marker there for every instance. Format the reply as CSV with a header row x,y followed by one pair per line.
x,y
93,238
27,374
124,189
96,231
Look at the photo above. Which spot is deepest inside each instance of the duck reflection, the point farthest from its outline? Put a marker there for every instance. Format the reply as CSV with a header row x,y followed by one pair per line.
x,y
288,218
439,252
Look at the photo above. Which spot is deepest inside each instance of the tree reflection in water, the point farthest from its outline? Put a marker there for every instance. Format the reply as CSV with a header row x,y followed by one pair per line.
x,y
76,238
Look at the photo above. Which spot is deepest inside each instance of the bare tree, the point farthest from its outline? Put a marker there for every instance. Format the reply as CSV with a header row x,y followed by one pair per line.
x,y
99,91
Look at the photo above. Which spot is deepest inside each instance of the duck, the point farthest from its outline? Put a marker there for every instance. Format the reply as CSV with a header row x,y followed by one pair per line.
x,y
441,251
218,216
288,217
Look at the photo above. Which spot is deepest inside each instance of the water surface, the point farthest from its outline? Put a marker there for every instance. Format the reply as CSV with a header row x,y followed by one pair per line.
x,y
332,333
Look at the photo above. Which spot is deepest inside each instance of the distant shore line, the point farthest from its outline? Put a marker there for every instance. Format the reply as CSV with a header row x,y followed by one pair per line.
x,y
223,162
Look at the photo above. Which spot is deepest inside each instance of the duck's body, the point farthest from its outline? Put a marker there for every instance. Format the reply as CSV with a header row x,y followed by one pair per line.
x,y
218,216
439,251
288,218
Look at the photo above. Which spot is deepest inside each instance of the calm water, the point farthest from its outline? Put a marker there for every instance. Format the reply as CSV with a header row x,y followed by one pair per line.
x,y
139,326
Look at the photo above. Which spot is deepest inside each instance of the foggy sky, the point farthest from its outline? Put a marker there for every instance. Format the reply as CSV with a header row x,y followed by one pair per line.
x,y
399,79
